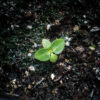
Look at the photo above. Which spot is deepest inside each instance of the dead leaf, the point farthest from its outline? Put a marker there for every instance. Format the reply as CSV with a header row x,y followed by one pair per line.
x,y
76,28
80,49
57,22
30,50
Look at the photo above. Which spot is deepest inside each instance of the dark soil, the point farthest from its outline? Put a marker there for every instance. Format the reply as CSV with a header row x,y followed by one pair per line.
x,y
77,71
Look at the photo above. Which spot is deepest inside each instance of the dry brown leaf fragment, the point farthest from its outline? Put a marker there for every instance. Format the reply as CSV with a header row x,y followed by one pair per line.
x,y
57,22
31,51
76,28
80,49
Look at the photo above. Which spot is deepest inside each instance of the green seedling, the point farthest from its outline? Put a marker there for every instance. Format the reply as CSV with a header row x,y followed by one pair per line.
x,y
50,50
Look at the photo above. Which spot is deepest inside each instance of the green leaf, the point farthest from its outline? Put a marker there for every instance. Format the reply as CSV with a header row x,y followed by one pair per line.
x,y
42,55
46,43
92,47
53,58
58,45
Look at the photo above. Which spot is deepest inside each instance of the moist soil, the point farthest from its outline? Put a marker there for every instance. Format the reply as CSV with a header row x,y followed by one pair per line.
x,y
75,75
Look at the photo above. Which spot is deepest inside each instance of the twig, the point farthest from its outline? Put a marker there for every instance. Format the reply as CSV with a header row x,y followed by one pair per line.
x,y
39,82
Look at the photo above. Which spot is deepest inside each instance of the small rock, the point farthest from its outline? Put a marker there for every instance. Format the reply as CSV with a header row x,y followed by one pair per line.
x,y
29,54
31,68
95,29
26,73
29,86
29,26
35,45
55,91
98,52
52,76
17,26
61,82
48,26
12,27
85,22
15,86
19,85
33,83
99,44
98,78
84,16
13,81
69,68
61,64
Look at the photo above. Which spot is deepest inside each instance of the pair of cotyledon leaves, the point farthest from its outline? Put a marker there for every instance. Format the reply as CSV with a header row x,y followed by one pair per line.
x,y
49,50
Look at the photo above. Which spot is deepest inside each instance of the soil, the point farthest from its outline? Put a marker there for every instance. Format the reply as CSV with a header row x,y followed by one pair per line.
x,y
76,74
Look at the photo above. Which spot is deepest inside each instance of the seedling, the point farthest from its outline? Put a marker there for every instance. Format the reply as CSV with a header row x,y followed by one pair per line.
x,y
50,50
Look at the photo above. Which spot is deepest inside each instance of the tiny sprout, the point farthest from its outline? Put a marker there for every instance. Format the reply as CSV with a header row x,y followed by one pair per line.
x,y
50,50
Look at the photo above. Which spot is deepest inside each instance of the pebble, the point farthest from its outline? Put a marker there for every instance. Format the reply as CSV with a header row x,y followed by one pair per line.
x,y
84,16
98,52
29,86
85,22
29,54
19,85
31,68
33,83
15,86
29,26
62,64
55,91
69,68
76,28
26,73
99,44
94,29
35,45
12,27
13,81
97,72
52,76
48,27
